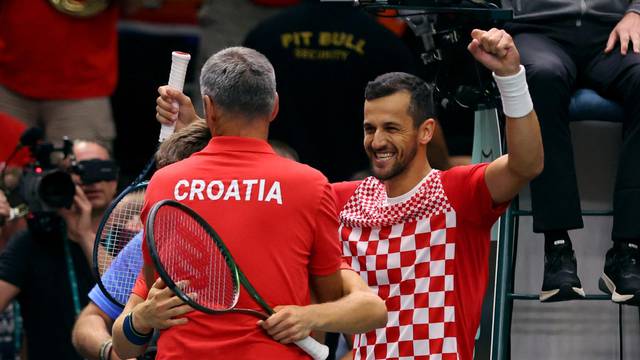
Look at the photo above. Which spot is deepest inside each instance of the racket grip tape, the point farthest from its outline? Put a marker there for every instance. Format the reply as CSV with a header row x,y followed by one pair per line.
x,y
316,350
179,63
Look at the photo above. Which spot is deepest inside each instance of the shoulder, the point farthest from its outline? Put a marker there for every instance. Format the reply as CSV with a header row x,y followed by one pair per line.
x,y
170,173
295,170
343,191
463,174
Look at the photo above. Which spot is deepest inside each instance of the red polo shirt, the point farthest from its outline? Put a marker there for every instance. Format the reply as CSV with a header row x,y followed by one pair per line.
x,y
279,221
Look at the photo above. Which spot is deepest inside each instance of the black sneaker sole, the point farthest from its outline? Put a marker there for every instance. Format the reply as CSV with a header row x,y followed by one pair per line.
x,y
607,286
564,293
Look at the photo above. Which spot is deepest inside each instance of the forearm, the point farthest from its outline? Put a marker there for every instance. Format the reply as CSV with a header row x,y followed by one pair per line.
x,y
89,333
121,345
359,311
524,144
634,6
524,141
356,313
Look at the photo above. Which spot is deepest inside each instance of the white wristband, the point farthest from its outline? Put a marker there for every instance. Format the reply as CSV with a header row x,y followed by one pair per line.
x,y
516,101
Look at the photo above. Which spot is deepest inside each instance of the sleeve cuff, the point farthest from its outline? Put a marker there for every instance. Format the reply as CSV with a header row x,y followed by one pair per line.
x,y
635,7
101,301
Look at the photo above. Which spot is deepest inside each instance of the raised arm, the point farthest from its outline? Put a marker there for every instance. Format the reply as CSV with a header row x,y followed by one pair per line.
x,y
506,175
172,106
79,222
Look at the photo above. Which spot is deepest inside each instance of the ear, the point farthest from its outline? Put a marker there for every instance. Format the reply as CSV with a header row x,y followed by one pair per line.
x,y
209,112
426,130
276,108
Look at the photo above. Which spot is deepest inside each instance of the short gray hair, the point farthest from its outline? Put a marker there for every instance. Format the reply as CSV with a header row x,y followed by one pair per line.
x,y
241,81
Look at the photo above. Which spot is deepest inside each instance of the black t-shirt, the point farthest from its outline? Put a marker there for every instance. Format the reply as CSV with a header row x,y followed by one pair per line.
x,y
38,267
324,55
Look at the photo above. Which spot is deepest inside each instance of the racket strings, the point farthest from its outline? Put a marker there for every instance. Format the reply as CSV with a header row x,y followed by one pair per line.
x,y
188,252
122,224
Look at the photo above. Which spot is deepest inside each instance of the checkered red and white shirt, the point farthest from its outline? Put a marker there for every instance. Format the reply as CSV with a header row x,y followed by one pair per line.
x,y
426,256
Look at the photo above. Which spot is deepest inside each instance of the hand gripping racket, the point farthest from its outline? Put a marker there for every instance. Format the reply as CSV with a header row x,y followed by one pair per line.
x,y
179,62
184,246
121,221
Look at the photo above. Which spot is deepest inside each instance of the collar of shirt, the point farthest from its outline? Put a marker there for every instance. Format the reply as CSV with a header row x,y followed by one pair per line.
x,y
237,144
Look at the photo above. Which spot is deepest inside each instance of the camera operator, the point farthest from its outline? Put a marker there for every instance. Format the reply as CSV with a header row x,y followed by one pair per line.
x,y
47,266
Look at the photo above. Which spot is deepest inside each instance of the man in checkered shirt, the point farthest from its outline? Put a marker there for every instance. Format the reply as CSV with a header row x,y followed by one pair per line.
x,y
418,236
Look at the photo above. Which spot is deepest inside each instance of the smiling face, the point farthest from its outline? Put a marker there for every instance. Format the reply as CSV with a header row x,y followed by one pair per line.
x,y
390,138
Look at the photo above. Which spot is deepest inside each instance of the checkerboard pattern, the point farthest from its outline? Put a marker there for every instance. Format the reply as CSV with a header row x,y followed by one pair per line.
x,y
368,205
409,262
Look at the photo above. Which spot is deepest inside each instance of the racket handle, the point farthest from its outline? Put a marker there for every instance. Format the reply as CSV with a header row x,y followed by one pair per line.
x,y
179,62
316,350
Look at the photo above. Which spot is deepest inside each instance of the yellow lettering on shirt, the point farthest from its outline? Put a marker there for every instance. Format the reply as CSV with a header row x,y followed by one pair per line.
x,y
315,54
323,45
298,38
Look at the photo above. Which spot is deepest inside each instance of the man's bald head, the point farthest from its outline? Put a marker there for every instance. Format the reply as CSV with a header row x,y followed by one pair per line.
x,y
87,150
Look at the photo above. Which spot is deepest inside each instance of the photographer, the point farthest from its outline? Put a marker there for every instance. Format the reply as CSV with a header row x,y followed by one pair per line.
x,y
47,266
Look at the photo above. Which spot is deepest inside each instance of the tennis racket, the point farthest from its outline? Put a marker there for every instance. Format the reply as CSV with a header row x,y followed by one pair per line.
x,y
184,246
121,222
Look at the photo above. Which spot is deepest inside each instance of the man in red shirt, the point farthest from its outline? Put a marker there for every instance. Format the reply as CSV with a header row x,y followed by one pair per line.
x,y
276,216
420,237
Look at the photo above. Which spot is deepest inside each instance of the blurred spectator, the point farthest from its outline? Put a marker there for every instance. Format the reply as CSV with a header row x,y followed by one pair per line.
x,y
12,128
48,270
563,46
324,55
57,69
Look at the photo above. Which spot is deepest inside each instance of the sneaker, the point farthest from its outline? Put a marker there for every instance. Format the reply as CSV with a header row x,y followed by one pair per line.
x,y
621,276
561,280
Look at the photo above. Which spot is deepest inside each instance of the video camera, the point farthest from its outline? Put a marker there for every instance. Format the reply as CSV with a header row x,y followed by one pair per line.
x,y
442,27
46,183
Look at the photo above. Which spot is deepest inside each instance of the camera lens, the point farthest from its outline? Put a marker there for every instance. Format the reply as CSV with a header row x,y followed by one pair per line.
x,y
57,189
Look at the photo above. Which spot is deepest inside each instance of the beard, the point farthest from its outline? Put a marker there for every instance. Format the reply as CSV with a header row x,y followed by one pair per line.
x,y
397,168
